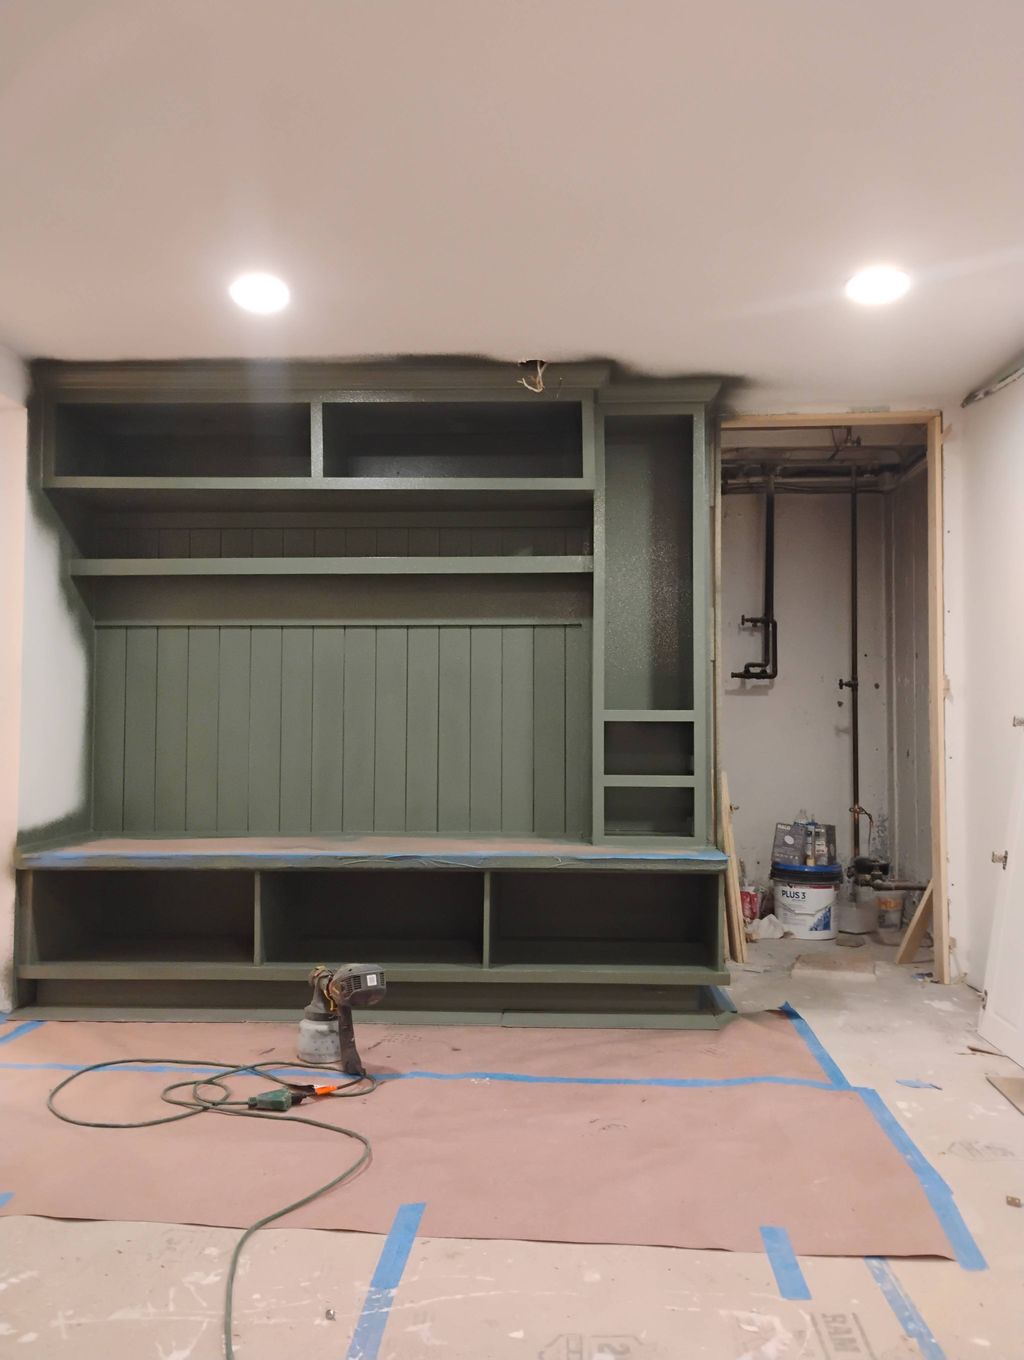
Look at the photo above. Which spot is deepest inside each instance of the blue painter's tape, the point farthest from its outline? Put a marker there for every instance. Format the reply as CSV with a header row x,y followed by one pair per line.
x,y
722,999
26,1027
902,1305
682,1083
782,1259
940,1196
5,1197
827,1064
369,1331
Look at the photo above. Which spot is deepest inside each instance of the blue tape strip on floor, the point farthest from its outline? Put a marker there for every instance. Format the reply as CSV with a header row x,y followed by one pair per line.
x,y
26,1027
940,1196
682,1083
782,1259
5,1197
827,1063
369,1331
902,1305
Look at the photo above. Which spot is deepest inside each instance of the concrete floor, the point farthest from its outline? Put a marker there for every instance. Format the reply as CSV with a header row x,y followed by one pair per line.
x,y
137,1291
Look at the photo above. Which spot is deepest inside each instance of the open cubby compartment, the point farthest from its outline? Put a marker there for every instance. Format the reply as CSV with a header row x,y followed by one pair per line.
x,y
649,811
648,748
368,916
445,439
649,582
183,439
140,916
617,919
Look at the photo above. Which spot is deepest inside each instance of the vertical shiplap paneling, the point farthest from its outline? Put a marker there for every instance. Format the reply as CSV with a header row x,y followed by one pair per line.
x,y
296,729
389,757
265,732
205,543
298,542
485,730
233,731
453,730
424,542
328,751
236,543
517,731
171,728
330,542
140,731
577,732
360,726
201,739
108,754
392,542
173,543
549,731
421,736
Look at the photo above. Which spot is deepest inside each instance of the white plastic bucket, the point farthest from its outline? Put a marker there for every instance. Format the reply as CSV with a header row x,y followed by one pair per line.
x,y
807,911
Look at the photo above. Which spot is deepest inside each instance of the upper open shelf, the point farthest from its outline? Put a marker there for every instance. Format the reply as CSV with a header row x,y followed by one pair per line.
x,y
309,454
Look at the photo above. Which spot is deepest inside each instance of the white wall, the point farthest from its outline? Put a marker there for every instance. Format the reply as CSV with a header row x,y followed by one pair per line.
x,y
13,445
785,744
984,574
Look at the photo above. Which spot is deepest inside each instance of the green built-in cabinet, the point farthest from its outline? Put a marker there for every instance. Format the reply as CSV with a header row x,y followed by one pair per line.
x,y
332,601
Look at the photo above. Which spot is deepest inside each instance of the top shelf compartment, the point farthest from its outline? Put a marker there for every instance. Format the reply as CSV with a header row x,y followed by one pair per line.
x,y
183,440
440,440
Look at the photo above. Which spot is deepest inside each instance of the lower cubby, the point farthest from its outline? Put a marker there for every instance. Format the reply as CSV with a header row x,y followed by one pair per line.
x,y
138,916
368,916
618,920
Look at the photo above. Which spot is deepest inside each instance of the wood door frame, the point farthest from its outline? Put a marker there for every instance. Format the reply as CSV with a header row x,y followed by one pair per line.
x,y
937,682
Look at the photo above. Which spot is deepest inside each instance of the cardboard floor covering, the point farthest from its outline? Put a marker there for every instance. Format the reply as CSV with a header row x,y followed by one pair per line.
x,y
491,1145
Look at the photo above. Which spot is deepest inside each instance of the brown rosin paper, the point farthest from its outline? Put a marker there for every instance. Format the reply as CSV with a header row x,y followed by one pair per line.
x,y
705,1166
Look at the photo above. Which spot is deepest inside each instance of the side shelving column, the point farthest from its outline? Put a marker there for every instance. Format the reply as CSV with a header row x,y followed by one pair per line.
x,y
652,608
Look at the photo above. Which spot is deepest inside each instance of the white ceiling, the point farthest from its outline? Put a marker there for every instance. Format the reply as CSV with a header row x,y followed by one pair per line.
x,y
681,187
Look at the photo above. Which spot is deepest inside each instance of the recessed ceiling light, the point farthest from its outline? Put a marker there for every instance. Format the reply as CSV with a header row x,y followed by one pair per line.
x,y
263,293
876,284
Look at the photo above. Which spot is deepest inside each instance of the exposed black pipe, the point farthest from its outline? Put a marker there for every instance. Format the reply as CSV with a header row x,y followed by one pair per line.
x,y
853,684
768,667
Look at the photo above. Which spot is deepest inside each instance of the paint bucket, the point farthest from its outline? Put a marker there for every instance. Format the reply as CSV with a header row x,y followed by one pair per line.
x,y
858,915
890,910
805,901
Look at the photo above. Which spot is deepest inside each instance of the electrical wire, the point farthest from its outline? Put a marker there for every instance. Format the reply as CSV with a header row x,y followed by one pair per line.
x,y
202,1104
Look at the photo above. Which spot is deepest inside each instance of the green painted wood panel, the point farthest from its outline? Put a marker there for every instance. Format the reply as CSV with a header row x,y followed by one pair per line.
x,y
140,731
201,731
453,731
265,732
328,730
517,730
296,728
549,731
261,729
233,731
205,543
171,728
485,745
389,756
421,732
577,732
108,742
360,727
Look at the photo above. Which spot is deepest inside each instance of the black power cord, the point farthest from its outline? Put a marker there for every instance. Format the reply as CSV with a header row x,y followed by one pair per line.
x,y
198,1103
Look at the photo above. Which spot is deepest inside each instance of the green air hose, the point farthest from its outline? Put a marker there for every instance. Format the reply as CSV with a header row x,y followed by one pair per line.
x,y
198,1103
